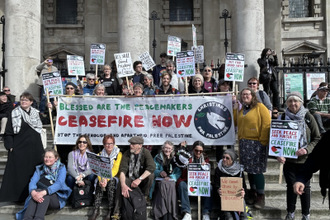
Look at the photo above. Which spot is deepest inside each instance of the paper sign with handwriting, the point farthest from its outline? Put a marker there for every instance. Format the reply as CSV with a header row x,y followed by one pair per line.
x,y
231,199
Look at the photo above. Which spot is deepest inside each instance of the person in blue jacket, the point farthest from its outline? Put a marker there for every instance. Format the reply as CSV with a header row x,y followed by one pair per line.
x,y
47,188
90,86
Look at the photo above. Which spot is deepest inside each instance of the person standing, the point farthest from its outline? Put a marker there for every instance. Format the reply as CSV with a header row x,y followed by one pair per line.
x,y
159,69
44,67
6,106
110,82
89,88
22,139
138,76
268,74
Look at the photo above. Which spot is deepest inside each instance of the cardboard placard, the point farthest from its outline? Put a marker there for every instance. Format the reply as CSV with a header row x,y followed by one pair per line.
x,y
199,179
76,66
124,64
97,54
147,61
185,64
173,45
234,68
284,138
199,54
52,81
100,165
231,199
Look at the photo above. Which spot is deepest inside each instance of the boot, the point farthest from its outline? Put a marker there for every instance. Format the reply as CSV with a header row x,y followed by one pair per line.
x,y
260,203
96,212
251,197
108,217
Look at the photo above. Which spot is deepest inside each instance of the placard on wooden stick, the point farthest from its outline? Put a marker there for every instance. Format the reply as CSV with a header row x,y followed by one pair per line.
x,y
231,199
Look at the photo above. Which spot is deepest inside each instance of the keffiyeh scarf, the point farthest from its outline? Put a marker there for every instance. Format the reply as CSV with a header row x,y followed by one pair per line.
x,y
233,170
32,119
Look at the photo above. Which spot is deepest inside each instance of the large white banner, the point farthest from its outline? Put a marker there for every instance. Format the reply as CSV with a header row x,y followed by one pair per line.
x,y
156,119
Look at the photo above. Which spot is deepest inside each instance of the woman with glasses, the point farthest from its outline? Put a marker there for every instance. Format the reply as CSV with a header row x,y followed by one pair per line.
x,y
110,82
229,166
166,175
22,140
78,166
113,152
262,96
90,86
198,157
210,84
253,122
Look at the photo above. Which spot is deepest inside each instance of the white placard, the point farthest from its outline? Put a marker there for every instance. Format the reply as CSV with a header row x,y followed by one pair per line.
x,y
185,64
53,82
234,69
147,61
97,54
199,54
124,64
76,66
100,165
173,45
199,179
313,81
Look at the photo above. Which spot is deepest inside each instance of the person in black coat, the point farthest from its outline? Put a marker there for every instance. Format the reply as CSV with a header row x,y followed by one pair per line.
x,y
22,140
110,82
166,87
6,106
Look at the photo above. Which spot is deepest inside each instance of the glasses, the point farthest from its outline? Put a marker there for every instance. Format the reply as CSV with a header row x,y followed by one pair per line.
x,y
108,144
198,151
275,113
82,142
227,158
207,70
252,83
69,88
91,79
25,100
7,90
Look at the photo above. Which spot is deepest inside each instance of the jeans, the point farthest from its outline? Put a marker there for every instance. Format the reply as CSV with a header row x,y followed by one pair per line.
x,y
185,203
43,98
272,85
290,170
37,210
70,180
321,121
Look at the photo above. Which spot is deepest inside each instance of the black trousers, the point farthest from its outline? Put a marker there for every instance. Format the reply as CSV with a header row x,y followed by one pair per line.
x,y
290,170
272,86
145,186
37,210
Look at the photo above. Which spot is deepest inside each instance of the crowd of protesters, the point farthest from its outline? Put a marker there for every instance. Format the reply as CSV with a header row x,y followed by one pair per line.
x,y
161,180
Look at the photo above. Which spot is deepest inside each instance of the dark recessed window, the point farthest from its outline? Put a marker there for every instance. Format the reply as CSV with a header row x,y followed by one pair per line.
x,y
300,8
181,10
66,11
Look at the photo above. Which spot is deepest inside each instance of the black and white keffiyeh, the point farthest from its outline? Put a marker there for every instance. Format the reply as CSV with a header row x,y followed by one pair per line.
x,y
32,119
233,170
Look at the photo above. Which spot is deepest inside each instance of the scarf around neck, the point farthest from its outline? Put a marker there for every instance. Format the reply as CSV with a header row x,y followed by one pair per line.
x,y
134,168
32,119
300,117
199,160
113,155
233,170
52,172
80,163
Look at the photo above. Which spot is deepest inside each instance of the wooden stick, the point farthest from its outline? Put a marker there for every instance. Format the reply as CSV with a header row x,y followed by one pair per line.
x,y
237,113
281,174
186,84
97,66
199,208
51,119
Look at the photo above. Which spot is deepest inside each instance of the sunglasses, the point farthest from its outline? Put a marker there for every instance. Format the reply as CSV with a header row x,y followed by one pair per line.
x,y
6,90
252,83
91,79
275,113
198,151
71,88
227,158
82,142
207,70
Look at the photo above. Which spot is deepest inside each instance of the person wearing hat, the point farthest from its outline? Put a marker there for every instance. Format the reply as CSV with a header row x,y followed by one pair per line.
x,y
198,157
228,166
159,69
6,106
309,137
319,107
197,85
136,169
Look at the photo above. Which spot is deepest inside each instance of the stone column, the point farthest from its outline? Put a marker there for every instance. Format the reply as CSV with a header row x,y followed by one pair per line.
x,y
248,33
133,27
22,38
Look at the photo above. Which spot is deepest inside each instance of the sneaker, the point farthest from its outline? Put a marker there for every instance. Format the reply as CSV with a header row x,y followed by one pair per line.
x,y
304,217
206,217
251,197
187,216
260,203
289,216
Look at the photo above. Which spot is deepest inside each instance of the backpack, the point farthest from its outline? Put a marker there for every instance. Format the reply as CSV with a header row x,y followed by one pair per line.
x,y
261,94
134,207
82,195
